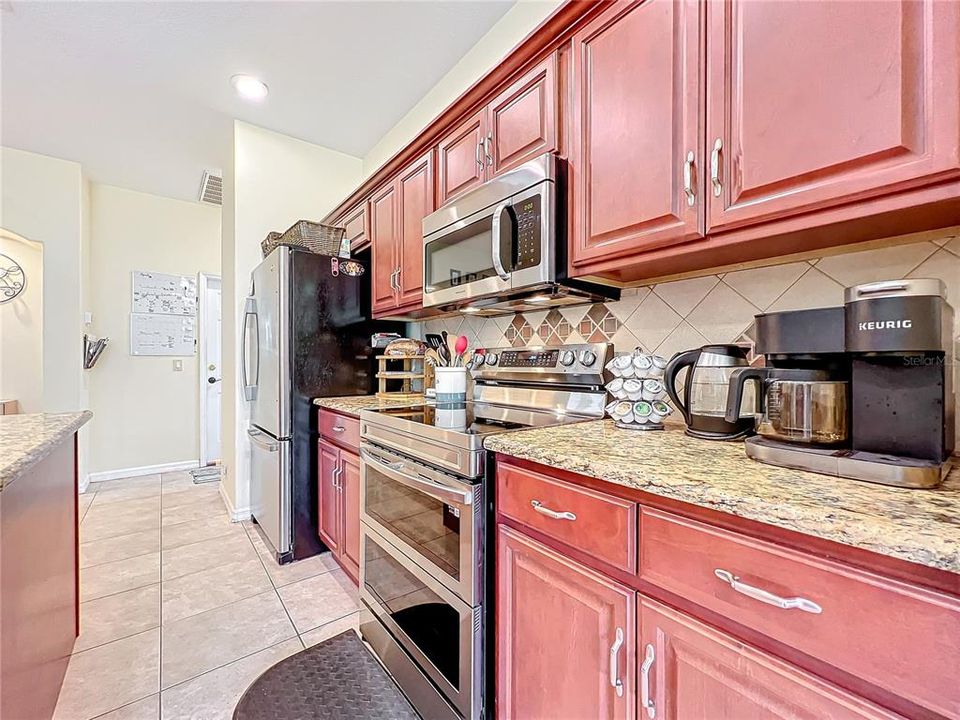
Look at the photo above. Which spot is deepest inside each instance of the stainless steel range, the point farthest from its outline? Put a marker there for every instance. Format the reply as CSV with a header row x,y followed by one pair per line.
x,y
425,512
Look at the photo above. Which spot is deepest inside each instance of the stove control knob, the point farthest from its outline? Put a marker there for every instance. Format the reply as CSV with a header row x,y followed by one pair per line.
x,y
588,358
475,362
567,357
492,358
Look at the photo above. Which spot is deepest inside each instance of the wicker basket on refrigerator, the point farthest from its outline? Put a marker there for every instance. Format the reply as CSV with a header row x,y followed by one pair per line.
x,y
313,236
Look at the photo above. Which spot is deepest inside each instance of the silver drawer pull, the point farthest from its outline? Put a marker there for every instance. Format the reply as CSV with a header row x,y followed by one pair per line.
x,y
338,428
792,603
615,682
544,510
646,702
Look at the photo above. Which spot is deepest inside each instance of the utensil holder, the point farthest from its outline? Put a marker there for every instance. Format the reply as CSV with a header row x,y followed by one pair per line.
x,y
451,384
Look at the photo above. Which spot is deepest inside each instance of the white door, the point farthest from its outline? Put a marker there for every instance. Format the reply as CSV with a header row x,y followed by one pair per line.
x,y
210,371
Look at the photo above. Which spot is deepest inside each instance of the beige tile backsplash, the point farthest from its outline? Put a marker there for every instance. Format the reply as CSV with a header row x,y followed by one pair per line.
x,y
668,317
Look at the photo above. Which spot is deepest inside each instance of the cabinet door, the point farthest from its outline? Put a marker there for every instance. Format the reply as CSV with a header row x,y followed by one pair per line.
x,y
355,227
460,158
694,671
820,103
563,632
415,186
328,515
385,255
635,118
523,119
350,506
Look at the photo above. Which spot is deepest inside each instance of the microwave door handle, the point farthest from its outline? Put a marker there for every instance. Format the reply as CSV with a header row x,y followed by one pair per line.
x,y
495,240
440,492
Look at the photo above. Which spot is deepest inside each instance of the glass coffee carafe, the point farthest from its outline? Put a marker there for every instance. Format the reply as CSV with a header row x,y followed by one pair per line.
x,y
704,401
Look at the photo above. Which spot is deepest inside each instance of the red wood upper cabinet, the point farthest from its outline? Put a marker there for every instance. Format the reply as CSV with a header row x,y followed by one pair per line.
x,y
350,497
460,158
328,514
635,148
522,120
354,224
415,188
813,104
565,637
689,670
385,248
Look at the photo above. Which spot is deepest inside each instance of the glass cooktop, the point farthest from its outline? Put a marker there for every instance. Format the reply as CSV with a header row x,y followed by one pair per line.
x,y
472,418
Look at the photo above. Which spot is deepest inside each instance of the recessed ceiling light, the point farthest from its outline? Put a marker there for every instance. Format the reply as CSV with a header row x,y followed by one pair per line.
x,y
249,87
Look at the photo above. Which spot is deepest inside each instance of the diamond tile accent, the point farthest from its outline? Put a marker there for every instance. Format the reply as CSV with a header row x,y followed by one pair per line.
x,y
554,318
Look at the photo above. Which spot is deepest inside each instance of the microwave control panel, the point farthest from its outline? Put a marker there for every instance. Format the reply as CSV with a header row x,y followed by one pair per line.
x,y
529,358
528,218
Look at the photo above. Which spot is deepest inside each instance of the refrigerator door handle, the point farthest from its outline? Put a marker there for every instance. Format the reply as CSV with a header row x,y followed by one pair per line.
x,y
249,311
267,444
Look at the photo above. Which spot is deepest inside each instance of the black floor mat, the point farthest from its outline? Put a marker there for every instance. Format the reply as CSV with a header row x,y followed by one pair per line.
x,y
337,679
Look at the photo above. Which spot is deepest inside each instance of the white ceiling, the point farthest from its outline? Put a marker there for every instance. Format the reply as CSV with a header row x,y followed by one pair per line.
x,y
139,92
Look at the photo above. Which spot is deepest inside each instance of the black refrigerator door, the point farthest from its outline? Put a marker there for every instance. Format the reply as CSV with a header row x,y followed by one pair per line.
x,y
330,355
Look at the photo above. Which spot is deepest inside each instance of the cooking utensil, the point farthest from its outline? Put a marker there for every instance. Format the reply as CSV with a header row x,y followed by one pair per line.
x,y
461,348
433,340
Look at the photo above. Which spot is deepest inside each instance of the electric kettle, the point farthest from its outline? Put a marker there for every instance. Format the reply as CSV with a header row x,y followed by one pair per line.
x,y
704,402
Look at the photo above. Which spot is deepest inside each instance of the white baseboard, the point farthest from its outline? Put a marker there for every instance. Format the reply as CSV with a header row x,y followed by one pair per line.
x,y
236,514
142,470
84,484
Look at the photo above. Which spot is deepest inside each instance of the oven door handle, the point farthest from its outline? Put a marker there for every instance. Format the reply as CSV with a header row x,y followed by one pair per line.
x,y
441,492
495,240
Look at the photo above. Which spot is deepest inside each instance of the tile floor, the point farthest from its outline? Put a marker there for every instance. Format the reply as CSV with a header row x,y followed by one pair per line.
x,y
181,609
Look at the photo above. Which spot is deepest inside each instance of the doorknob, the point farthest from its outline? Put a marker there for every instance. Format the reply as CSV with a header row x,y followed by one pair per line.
x,y
213,380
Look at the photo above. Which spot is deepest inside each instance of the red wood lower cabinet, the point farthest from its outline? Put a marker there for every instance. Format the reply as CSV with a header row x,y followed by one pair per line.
x,y
338,516
565,636
690,670
350,494
328,516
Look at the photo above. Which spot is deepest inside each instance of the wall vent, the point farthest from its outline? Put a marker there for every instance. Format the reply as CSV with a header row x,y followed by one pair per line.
x,y
211,187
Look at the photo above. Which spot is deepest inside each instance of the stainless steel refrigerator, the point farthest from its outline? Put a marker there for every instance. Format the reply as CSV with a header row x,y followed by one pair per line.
x,y
306,334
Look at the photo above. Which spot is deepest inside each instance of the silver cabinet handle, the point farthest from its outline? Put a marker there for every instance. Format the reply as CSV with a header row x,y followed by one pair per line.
x,y
615,682
337,472
487,141
544,510
646,702
338,428
688,179
715,168
479,150
792,603
495,240
395,279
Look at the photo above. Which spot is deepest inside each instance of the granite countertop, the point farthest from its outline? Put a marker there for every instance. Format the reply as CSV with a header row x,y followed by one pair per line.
x,y
25,440
353,404
919,526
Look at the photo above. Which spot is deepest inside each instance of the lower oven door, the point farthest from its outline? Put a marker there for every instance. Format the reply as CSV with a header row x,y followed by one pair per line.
x,y
441,633
432,517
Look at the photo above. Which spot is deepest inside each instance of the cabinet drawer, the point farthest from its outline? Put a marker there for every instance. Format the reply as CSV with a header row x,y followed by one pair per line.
x,y
600,525
899,637
340,429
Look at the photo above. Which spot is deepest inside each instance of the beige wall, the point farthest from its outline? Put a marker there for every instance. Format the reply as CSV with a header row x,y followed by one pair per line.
x,y
274,181
42,200
493,47
21,327
144,412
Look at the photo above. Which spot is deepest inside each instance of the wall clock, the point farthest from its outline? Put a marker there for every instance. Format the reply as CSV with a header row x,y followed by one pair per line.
x,y
12,278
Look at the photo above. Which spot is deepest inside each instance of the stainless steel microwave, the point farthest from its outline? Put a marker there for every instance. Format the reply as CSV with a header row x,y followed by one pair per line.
x,y
501,248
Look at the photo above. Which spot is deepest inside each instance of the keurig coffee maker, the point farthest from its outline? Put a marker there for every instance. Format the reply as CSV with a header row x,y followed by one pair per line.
x,y
862,391
899,336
